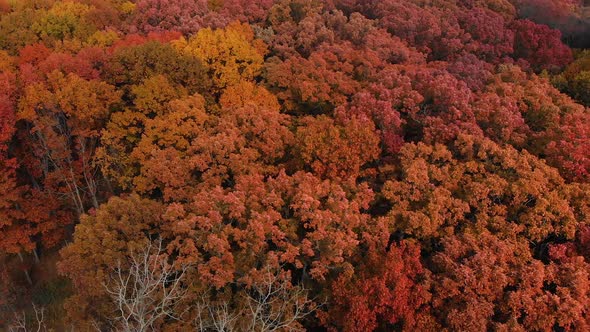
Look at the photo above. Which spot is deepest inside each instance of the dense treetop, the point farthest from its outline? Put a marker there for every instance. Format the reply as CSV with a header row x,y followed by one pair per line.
x,y
279,165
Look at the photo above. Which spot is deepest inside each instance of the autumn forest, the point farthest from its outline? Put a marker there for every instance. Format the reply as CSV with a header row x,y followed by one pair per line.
x,y
294,165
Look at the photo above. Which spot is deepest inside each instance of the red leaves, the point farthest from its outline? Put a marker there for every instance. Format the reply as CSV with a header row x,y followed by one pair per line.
x,y
162,15
322,80
492,41
188,16
14,234
540,46
7,112
4,6
387,291
136,39
434,31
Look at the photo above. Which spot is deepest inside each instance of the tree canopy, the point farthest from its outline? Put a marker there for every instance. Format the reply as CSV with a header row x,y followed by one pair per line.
x,y
286,165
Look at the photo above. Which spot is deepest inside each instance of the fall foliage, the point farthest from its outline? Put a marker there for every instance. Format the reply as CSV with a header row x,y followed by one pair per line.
x,y
293,165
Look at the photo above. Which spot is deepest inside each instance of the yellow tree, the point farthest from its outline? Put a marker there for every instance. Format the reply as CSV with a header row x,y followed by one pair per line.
x,y
64,20
231,54
208,144
125,129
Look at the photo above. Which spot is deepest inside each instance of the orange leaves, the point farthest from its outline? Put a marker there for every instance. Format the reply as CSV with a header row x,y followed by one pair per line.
x,y
473,272
418,207
297,219
337,150
244,134
164,150
320,81
393,158
527,112
331,213
103,240
484,280
65,110
84,103
179,124
249,94
480,185
63,118
251,128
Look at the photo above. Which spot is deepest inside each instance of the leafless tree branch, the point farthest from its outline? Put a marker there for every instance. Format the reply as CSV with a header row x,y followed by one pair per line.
x,y
146,291
20,324
272,304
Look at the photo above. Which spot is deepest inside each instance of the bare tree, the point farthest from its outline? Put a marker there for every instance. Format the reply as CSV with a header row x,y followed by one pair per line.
x,y
215,317
20,324
146,291
272,304
275,305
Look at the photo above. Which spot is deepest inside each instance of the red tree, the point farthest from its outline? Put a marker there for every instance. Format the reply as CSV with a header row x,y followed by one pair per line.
x,y
540,46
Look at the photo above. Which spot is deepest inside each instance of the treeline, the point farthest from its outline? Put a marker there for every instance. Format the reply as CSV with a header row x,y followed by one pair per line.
x,y
280,165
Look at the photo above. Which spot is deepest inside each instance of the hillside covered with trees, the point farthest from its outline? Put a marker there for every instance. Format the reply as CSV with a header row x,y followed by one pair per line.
x,y
293,165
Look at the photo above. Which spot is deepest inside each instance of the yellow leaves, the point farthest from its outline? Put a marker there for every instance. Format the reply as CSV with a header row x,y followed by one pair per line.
x,y
249,94
63,8
231,54
133,64
182,122
162,151
88,102
6,62
84,99
215,5
64,20
103,38
35,96
145,151
152,95
127,7
121,134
